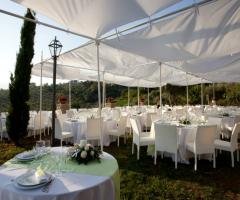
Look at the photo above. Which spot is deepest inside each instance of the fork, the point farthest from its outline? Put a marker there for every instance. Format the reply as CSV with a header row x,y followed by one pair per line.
x,y
46,187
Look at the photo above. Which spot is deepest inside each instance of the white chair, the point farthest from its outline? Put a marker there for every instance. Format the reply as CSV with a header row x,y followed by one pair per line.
x,y
93,130
228,128
59,133
120,130
166,140
203,142
216,121
116,114
231,146
140,138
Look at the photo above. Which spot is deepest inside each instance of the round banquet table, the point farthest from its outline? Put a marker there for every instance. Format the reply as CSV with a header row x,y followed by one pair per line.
x,y
94,181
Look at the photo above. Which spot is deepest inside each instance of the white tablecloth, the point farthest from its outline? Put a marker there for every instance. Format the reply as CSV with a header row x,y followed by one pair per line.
x,y
69,186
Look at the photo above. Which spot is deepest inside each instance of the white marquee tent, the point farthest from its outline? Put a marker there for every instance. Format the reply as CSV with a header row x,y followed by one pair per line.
x,y
202,41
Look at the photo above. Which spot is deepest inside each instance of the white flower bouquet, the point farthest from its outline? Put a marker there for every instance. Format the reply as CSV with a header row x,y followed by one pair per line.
x,y
84,153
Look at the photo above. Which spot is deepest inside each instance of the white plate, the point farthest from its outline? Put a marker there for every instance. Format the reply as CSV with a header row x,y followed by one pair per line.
x,y
26,156
30,179
28,187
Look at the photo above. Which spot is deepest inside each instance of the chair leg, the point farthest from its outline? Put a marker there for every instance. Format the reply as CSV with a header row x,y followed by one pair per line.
x,y
61,142
162,154
138,152
118,141
232,158
214,159
155,157
195,162
132,148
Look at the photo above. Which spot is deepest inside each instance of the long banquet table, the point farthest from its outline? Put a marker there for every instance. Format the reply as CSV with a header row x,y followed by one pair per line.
x,y
94,181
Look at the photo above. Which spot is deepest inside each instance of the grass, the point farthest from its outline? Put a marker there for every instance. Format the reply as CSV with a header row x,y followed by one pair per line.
x,y
142,180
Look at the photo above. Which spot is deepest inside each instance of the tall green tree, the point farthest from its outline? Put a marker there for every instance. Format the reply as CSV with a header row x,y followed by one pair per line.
x,y
17,120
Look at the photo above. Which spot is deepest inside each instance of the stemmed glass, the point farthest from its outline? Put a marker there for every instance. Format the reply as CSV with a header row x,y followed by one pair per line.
x,y
39,147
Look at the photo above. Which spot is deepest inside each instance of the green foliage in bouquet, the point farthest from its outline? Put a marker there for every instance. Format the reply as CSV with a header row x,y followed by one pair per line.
x,y
184,121
84,154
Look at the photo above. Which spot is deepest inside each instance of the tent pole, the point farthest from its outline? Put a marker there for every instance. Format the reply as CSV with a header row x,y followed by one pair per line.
x,y
40,109
202,95
103,92
128,96
99,97
138,97
148,96
70,97
160,87
187,94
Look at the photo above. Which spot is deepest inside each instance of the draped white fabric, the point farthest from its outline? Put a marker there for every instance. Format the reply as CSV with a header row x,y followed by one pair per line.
x,y
203,41
93,17
119,67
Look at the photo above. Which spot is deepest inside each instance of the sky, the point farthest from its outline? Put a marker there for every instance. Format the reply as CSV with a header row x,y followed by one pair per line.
x,y
10,40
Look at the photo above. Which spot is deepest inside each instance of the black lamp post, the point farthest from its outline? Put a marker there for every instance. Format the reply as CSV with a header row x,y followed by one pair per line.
x,y
55,48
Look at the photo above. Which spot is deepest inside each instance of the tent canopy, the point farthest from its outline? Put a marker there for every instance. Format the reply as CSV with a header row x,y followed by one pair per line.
x,y
118,66
94,18
203,42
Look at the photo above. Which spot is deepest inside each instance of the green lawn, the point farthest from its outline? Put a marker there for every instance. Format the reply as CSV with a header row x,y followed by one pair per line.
x,y
143,180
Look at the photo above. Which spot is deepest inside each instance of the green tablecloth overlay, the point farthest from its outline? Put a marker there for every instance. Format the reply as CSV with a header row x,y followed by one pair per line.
x,y
51,163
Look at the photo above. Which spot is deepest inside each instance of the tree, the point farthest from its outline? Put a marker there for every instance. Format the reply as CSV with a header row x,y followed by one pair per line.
x,y
17,120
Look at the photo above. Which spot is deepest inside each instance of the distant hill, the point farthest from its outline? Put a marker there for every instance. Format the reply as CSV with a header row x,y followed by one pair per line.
x,y
85,95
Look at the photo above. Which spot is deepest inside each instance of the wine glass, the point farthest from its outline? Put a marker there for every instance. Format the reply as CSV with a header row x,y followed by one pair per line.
x,y
39,146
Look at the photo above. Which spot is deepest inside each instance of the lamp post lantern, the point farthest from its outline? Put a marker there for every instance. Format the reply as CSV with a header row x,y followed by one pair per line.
x,y
55,48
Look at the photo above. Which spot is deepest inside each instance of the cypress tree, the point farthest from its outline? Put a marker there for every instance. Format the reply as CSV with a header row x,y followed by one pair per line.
x,y
18,112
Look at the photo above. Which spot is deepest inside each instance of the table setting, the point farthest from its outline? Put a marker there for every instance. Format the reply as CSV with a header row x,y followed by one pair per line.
x,y
61,173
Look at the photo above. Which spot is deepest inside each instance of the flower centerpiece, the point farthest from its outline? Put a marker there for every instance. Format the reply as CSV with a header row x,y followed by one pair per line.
x,y
84,152
185,121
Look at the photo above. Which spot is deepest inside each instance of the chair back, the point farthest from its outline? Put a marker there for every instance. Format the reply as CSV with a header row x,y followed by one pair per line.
x,y
204,140
93,130
116,114
166,137
122,124
58,129
236,119
216,121
234,136
136,127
